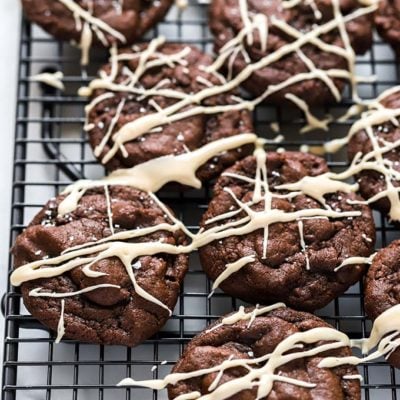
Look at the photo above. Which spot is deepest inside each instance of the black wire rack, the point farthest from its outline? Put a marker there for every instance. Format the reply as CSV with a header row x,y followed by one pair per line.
x,y
51,150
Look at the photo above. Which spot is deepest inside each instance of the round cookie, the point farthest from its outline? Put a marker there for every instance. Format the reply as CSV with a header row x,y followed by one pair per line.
x,y
228,18
127,20
220,343
106,314
117,102
382,288
385,132
303,248
387,22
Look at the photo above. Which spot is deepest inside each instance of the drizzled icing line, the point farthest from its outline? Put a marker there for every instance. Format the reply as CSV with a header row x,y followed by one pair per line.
x,y
60,325
356,260
312,121
242,315
115,245
153,174
51,79
178,111
37,292
374,160
231,269
88,24
261,371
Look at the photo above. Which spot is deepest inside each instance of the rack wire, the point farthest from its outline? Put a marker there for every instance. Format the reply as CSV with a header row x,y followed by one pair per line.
x,y
51,150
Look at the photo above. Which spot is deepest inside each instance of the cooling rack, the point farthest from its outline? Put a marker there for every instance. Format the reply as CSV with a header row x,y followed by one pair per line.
x,y
51,150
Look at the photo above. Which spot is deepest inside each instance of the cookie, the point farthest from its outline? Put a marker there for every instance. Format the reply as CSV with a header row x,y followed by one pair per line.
x,y
387,22
101,22
285,246
112,307
273,36
129,94
247,340
375,141
381,288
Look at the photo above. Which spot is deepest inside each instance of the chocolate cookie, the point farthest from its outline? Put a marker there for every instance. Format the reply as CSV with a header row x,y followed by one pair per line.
x,y
379,177
168,75
273,29
387,21
110,21
109,309
285,246
382,288
226,343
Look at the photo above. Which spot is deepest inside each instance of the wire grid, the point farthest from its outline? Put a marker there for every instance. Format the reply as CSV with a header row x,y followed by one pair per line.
x,y
51,150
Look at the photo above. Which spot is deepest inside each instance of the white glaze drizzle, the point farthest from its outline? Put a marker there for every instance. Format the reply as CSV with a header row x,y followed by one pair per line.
x,y
109,210
153,174
231,268
178,111
85,43
315,187
60,325
374,160
355,376
354,110
303,243
51,79
127,252
310,3
217,379
356,260
275,127
72,257
181,4
90,24
384,337
38,293
242,315
318,186
115,246
90,19
263,374
312,121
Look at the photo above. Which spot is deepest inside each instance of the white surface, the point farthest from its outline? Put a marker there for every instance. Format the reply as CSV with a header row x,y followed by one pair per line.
x,y
9,33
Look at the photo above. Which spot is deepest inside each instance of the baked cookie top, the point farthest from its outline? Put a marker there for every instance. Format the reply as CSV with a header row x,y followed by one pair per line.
x,y
103,22
301,233
381,286
303,49
381,289
142,108
255,339
374,149
84,277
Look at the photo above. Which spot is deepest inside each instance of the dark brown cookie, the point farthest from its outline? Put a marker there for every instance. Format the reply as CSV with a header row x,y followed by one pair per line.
x,y
382,286
105,315
371,181
186,77
130,18
284,274
226,22
387,21
239,341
